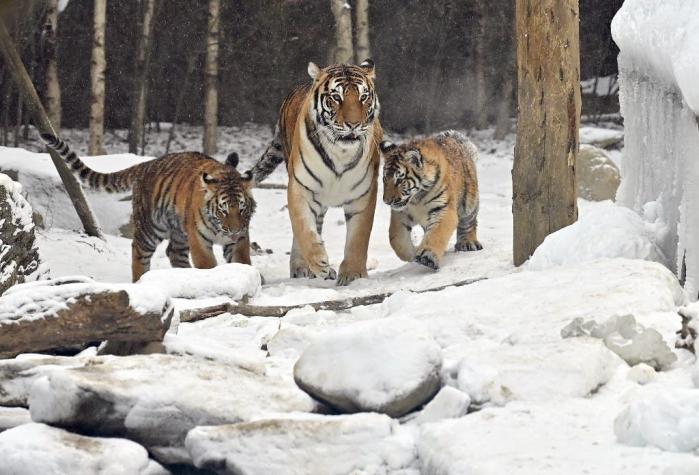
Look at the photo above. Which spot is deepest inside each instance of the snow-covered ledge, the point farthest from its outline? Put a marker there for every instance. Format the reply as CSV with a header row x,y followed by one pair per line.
x,y
659,95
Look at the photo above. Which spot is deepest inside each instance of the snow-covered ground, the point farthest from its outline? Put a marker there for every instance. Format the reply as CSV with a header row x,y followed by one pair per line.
x,y
538,402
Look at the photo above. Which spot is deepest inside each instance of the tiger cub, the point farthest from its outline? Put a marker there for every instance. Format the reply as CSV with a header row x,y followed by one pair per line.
x,y
188,198
431,182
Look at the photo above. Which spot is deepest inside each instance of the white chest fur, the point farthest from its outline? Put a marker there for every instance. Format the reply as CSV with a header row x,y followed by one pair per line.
x,y
338,176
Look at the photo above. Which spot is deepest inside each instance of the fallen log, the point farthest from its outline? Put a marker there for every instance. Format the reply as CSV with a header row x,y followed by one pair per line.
x,y
46,317
250,310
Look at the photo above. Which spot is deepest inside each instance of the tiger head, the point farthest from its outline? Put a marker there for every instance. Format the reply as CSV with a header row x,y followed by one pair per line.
x,y
229,203
405,174
345,103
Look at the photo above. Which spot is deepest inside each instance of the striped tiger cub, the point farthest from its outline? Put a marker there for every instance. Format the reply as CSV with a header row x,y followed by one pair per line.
x,y
432,182
188,198
328,134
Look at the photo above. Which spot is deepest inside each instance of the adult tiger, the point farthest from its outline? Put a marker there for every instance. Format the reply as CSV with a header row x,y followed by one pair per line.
x,y
188,198
329,134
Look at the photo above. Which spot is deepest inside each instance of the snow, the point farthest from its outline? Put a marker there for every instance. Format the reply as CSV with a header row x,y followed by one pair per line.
x,y
300,445
603,230
12,417
389,365
659,97
515,396
669,421
233,280
31,449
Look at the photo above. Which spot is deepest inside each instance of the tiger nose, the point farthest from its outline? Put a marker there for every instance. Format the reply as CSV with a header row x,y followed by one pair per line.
x,y
352,125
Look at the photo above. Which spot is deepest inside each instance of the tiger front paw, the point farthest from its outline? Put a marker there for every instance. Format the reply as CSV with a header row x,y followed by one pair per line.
x,y
349,274
427,258
468,245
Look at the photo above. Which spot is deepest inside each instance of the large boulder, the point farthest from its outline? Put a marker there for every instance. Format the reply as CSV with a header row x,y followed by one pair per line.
x,y
12,417
388,365
156,399
19,257
597,176
32,449
303,445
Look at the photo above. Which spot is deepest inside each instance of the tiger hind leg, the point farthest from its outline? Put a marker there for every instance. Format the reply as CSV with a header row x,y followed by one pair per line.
x,y
142,249
466,232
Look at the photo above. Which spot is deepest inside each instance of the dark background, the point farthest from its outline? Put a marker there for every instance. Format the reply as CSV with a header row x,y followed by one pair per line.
x,y
425,54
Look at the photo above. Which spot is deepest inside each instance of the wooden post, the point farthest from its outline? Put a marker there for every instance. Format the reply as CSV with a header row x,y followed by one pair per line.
x,y
43,124
548,72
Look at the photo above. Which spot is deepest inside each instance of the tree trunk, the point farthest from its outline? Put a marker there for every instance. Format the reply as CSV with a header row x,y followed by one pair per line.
x,y
481,89
138,115
362,25
343,31
53,86
191,62
548,72
20,76
211,79
98,66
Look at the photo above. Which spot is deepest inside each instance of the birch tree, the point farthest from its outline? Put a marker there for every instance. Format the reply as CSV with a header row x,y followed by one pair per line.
x,y
548,73
343,31
362,31
211,78
98,65
138,111
53,85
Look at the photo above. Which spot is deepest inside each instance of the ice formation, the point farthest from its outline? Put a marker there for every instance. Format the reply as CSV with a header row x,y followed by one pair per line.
x,y
659,96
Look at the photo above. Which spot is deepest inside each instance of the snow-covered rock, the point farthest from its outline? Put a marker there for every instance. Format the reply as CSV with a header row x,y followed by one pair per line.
x,y
659,98
449,403
33,449
232,280
12,417
308,445
597,176
389,366
43,315
604,230
627,338
17,375
668,420
600,137
19,256
156,399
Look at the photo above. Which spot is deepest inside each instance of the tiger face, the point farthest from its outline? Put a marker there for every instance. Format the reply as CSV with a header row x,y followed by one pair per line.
x,y
345,102
404,175
229,203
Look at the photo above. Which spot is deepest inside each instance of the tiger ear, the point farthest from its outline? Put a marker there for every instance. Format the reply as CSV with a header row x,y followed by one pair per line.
x,y
387,146
415,157
247,180
313,70
368,67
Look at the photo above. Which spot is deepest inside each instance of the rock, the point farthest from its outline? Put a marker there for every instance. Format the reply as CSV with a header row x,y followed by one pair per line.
x,y
19,374
601,137
449,403
387,365
19,257
45,315
126,230
628,339
33,449
641,374
304,445
668,420
156,399
597,176
12,417
231,280
687,335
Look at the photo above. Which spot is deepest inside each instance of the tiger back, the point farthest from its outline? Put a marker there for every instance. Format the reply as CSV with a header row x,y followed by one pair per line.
x,y
187,198
432,182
